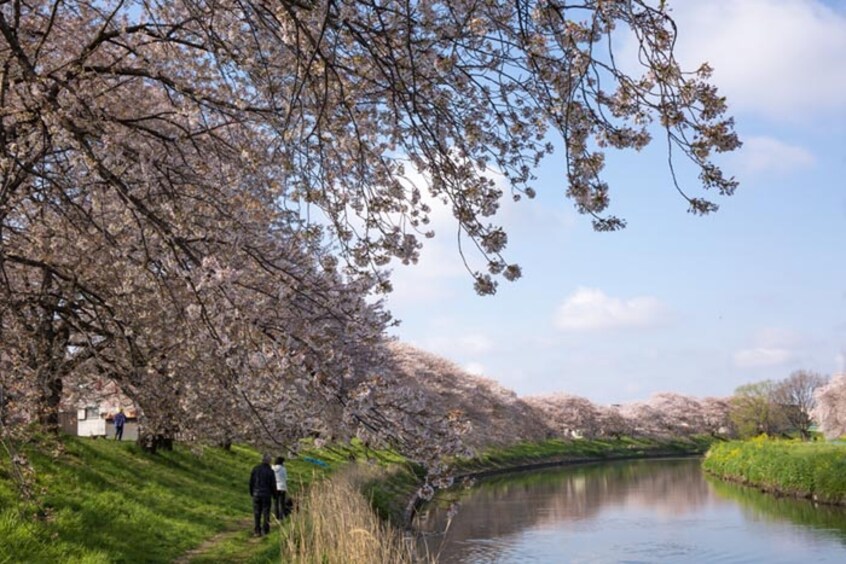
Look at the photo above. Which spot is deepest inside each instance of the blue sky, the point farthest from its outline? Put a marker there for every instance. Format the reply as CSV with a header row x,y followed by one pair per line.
x,y
674,302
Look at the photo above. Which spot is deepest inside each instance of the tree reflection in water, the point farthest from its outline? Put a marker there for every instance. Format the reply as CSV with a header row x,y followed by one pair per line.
x,y
827,519
662,510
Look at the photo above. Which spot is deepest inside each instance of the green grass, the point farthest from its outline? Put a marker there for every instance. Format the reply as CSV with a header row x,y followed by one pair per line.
x,y
803,469
105,501
386,494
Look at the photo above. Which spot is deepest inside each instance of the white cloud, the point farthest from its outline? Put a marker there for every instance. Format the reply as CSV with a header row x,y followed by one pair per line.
x,y
475,368
762,357
591,309
765,154
771,346
782,59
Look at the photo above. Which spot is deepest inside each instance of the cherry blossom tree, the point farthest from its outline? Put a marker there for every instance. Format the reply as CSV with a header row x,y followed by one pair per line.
x,y
665,414
261,307
644,420
679,415
441,409
716,417
830,409
569,416
612,423
344,97
196,197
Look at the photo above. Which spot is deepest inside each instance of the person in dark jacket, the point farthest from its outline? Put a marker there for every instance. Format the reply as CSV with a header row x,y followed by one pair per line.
x,y
262,490
120,421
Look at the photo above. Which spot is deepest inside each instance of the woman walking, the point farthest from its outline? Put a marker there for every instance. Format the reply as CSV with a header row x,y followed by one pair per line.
x,y
281,487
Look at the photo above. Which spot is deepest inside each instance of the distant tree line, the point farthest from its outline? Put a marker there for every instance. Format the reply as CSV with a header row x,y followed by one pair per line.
x,y
778,408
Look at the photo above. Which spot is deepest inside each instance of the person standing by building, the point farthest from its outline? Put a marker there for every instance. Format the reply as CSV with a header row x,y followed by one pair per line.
x,y
120,421
262,489
281,487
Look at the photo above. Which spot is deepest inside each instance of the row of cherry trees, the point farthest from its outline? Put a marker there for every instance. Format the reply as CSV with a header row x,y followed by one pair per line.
x,y
197,197
791,405
663,415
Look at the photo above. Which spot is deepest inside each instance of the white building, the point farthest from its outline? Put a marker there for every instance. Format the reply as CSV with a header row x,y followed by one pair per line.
x,y
89,410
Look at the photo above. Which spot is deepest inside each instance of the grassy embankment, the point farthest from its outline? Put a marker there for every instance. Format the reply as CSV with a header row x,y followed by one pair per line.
x,y
111,502
556,451
793,468
104,501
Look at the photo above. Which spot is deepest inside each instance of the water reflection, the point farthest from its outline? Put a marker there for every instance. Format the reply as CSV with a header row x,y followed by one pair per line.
x,y
757,506
635,511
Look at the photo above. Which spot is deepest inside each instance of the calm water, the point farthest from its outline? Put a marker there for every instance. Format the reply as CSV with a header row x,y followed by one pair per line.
x,y
636,511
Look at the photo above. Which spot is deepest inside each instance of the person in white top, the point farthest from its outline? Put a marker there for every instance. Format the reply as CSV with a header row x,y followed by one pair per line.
x,y
281,487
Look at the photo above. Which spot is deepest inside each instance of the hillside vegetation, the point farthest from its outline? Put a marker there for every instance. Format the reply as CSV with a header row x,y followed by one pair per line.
x,y
810,470
105,501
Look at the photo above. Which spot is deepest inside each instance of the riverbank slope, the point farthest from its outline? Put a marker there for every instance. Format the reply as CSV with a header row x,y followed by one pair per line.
x,y
94,501
812,470
104,501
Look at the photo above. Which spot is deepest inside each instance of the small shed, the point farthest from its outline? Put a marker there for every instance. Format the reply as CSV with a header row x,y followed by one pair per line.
x,y
90,411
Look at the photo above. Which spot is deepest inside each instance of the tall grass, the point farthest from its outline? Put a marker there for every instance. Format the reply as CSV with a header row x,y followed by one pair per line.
x,y
335,523
812,470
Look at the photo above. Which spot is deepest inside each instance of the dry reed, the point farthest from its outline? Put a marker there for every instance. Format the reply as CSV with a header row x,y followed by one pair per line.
x,y
336,524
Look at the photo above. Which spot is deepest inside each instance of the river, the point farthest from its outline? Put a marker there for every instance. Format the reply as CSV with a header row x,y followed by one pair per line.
x,y
628,511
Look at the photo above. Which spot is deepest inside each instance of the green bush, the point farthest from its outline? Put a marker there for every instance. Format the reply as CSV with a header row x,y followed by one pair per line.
x,y
813,470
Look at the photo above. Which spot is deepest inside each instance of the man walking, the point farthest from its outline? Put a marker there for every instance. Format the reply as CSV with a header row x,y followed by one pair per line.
x,y
120,421
262,489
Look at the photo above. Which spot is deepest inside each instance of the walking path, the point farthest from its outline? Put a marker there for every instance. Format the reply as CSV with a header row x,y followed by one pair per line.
x,y
233,544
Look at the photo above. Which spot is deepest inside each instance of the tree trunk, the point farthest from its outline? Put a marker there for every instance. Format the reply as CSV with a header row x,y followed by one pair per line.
x,y
50,349
153,442
51,396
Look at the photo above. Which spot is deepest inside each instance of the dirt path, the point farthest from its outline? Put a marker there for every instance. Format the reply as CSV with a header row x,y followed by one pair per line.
x,y
242,545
